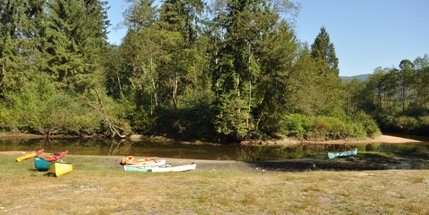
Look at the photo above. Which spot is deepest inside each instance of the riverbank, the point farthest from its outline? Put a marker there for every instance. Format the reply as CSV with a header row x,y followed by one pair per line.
x,y
391,139
98,185
386,138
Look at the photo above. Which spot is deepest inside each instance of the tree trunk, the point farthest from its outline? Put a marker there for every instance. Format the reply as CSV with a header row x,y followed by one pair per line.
x,y
107,121
175,90
140,91
403,99
152,79
249,103
120,86
3,69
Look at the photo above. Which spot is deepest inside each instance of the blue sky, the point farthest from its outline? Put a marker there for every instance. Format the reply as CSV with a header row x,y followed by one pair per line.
x,y
365,33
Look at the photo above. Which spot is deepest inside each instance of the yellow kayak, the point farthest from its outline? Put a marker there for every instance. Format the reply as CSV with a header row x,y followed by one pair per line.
x,y
59,169
29,155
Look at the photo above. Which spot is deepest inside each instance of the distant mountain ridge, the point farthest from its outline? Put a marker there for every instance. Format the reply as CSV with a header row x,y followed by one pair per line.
x,y
362,77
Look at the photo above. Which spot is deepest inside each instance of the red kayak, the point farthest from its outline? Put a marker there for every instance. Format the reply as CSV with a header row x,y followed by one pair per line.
x,y
56,156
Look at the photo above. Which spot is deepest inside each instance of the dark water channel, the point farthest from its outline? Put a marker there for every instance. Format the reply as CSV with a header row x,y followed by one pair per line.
x,y
370,156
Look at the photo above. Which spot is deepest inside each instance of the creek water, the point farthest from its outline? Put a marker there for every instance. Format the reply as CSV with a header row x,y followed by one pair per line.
x,y
210,151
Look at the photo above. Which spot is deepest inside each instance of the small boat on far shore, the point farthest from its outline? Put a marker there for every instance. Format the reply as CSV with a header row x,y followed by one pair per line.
x,y
332,155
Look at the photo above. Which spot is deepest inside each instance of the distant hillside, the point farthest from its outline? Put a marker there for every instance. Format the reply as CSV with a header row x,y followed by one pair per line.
x,y
362,77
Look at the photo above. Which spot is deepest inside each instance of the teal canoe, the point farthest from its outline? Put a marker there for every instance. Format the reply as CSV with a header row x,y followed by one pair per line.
x,y
332,155
41,164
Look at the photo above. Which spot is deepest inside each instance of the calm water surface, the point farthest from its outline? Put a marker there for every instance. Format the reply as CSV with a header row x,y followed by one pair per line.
x,y
212,152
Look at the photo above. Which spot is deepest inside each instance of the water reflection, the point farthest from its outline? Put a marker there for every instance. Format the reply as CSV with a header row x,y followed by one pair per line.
x,y
212,151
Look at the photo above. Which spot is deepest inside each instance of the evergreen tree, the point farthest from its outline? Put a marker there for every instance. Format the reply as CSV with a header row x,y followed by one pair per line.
x,y
422,78
323,52
13,21
182,16
76,39
330,93
407,78
251,77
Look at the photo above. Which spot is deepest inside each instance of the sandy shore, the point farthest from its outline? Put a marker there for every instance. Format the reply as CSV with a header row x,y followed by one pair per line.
x,y
393,139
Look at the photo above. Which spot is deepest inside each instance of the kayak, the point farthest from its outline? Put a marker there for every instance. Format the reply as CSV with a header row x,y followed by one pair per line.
x,y
136,169
29,155
154,163
180,168
56,156
59,169
131,160
41,164
332,155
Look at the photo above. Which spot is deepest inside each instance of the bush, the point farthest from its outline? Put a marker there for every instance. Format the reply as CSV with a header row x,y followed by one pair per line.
x,y
368,124
424,125
5,119
41,109
192,122
406,123
329,127
340,126
298,125
414,110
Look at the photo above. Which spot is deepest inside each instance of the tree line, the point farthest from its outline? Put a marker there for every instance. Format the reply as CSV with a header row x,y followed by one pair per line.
x,y
398,98
223,70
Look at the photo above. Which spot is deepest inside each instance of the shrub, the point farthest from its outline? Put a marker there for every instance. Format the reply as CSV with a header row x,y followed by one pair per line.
x,y
368,124
298,125
41,109
192,122
423,125
332,128
406,123
340,126
4,117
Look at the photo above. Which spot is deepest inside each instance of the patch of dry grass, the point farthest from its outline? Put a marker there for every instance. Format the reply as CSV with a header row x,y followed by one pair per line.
x,y
99,186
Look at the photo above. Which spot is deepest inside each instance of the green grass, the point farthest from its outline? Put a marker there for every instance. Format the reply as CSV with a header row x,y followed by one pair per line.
x,y
99,186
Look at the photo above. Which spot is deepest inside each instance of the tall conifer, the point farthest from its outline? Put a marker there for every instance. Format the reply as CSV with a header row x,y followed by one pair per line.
x,y
323,52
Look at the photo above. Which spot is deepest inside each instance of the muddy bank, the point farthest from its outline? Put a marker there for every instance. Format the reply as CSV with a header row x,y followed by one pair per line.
x,y
41,136
393,139
310,164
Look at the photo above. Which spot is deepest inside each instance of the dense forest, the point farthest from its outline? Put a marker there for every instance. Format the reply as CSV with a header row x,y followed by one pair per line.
x,y
223,70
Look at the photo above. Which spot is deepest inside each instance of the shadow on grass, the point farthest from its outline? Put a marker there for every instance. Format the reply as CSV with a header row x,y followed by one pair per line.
x,y
360,162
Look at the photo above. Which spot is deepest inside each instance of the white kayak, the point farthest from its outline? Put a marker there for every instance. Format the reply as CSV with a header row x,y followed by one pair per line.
x,y
180,168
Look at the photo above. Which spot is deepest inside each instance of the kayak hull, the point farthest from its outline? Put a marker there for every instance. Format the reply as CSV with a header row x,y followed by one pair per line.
x,y
180,168
59,169
332,155
54,157
128,168
41,164
29,156
151,164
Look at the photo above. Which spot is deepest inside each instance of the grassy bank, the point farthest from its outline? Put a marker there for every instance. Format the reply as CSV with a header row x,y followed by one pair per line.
x,y
98,186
